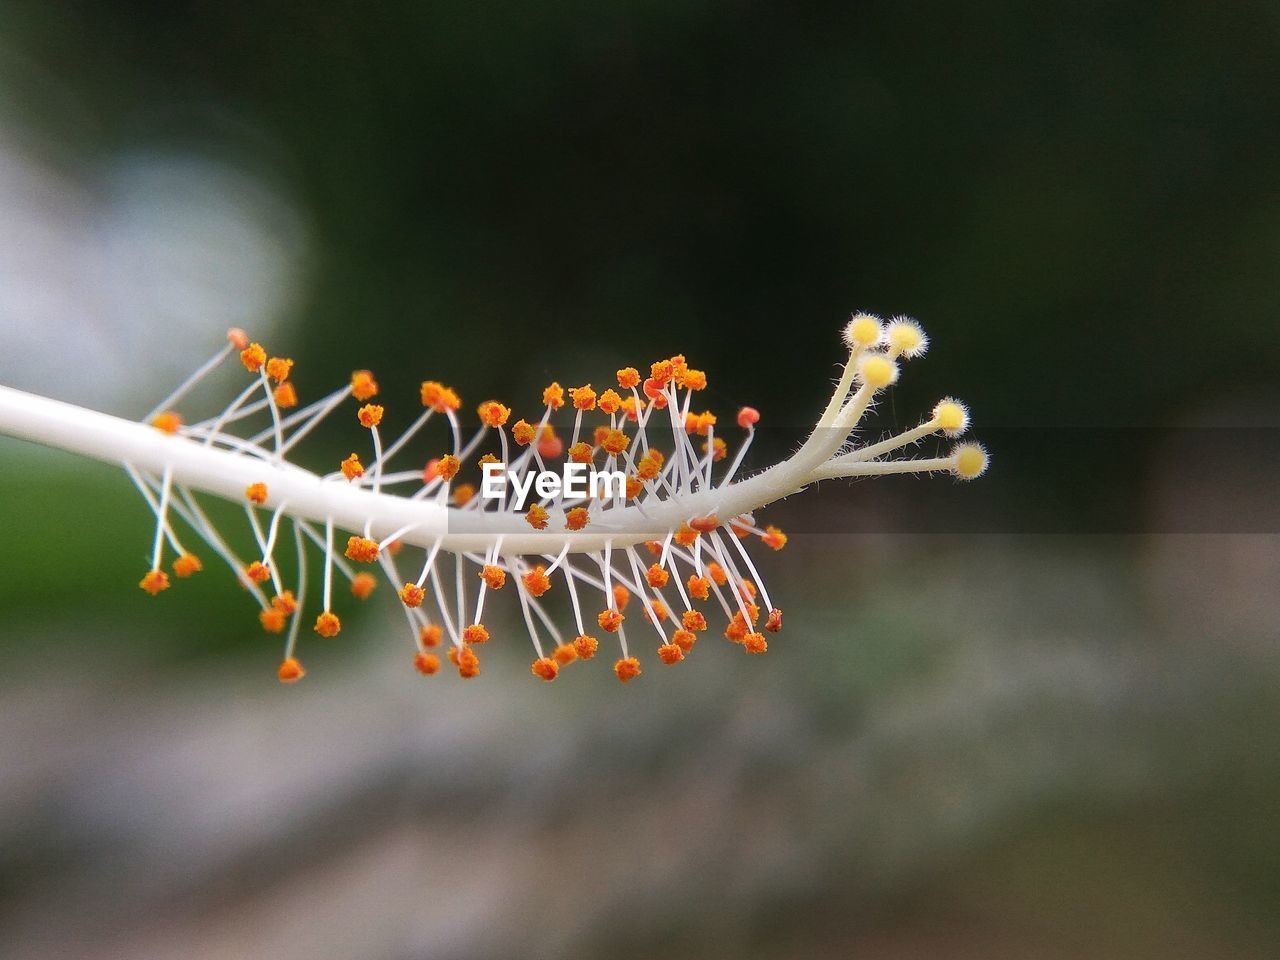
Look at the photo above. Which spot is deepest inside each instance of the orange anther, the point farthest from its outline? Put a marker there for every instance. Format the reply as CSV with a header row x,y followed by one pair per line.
x,y
493,414
328,624
684,639
716,572
536,581
634,486
476,633
412,595
186,565
648,468
154,581
704,524
258,572
167,422
565,654
290,670
691,379
352,469
693,620
659,611
494,577
690,422
654,547
577,518
774,623
580,452
655,390
630,409
394,547
253,357
585,647
256,493
438,397
615,442
627,669
628,378
430,635
237,338
426,664
463,494
748,417
621,597
670,653
553,395
523,433
610,620
741,526
706,420
285,602
431,470
363,386
599,434
699,587
286,396
656,576
662,371
448,466
361,549
737,628
755,643
272,620
773,537
537,517
545,668
721,449
466,661
278,369
370,415
584,398
610,402
685,535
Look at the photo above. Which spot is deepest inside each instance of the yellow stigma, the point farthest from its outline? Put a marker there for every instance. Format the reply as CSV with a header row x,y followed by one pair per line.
x,y
862,331
951,417
906,338
877,371
969,461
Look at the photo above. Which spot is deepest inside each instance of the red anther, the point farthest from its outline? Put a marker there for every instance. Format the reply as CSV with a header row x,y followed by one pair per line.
x,y
258,572
774,623
237,338
550,447
431,470
704,524
621,597
748,417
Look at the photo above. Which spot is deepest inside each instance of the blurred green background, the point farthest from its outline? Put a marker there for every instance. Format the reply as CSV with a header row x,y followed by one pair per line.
x,y
1032,716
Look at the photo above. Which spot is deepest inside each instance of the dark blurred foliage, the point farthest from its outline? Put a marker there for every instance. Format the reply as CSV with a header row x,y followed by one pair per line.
x,y
1078,199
